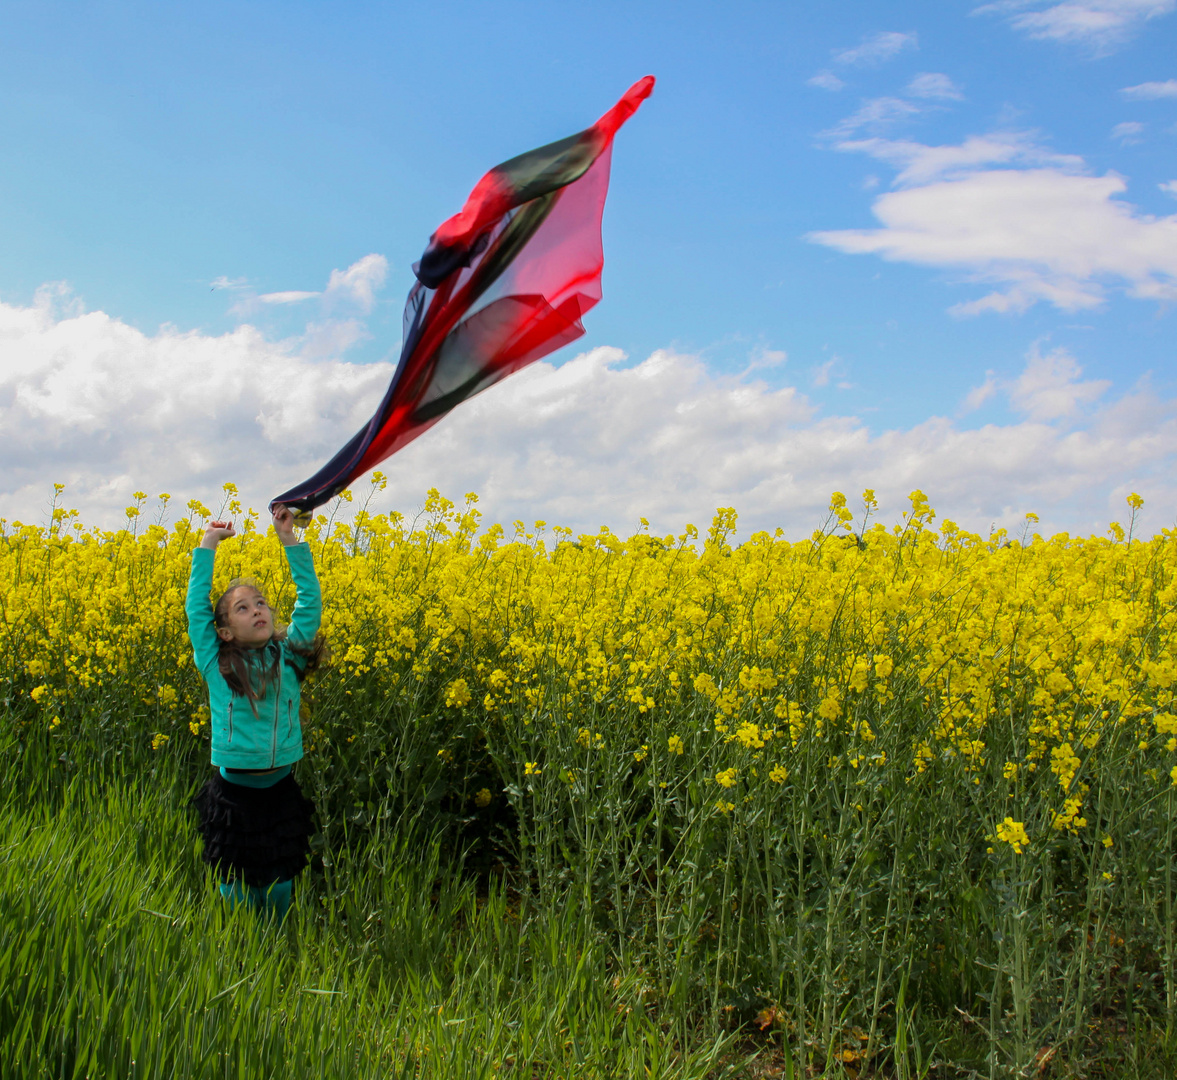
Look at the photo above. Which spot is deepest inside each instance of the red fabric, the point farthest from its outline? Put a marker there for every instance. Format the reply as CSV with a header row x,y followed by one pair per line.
x,y
491,197
552,283
503,283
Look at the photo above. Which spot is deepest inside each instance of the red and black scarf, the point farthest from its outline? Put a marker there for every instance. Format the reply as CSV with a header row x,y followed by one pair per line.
x,y
502,283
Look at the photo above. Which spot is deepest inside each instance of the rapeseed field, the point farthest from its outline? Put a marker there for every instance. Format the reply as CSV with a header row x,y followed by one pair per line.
x,y
890,800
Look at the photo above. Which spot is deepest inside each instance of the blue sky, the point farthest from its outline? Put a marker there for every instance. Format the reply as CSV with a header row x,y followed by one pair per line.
x,y
925,244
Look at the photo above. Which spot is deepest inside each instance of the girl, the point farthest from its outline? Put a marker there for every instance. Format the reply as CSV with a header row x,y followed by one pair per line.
x,y
254,820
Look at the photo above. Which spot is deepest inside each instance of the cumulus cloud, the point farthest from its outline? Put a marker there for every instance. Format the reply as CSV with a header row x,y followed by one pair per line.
x,y
91,402
935,86
1099,25
1151,91
1050,387
1044,232
359,283
877,49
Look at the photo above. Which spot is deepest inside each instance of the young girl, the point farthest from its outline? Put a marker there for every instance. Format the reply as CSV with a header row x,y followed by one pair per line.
x,y
254,820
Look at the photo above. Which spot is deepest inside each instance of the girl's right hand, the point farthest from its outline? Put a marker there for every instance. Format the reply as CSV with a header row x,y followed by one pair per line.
x,y
215,532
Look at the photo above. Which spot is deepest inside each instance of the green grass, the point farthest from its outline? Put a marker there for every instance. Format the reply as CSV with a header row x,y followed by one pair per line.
x,y
118,960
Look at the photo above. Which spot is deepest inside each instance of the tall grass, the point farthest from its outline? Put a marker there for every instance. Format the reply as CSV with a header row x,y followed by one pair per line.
x,y
116,960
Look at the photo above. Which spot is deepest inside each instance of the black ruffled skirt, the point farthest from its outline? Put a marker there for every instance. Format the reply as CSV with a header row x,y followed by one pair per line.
x,y
255,835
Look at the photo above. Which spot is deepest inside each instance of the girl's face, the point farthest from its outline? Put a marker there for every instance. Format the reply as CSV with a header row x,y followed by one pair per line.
x,y
248,619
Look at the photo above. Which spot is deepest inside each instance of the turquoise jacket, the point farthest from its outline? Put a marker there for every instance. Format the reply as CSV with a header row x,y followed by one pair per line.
x,y
268,735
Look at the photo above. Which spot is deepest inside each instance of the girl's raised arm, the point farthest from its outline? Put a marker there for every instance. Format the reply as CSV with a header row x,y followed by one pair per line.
x,y
202,631
308,597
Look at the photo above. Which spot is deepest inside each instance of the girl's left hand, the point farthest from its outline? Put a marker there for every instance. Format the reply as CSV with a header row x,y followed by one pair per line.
x,y
284,525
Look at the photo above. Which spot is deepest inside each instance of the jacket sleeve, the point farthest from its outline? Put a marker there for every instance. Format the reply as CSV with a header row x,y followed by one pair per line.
x,y
201,631
308,600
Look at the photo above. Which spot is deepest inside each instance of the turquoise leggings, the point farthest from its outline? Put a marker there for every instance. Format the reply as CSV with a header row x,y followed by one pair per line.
x,y
271,901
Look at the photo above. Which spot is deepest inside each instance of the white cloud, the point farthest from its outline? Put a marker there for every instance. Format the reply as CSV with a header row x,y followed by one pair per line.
x,y
1150,91
826,80
292,296
1099,25
876,114
763,359
978,395
91,402
1170,187
1050,388
822,372
935,86
359,283
228,283
921,164
1128,133
877,49
1044,233
352,289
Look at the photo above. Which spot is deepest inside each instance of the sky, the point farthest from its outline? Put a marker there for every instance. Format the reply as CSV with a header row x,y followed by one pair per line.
x,y
847,245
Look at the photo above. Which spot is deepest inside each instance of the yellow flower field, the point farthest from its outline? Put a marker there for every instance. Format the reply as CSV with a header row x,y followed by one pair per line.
x,y
817,771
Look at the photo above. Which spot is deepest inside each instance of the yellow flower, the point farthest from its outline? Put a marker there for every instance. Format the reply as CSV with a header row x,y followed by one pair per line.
x,y
159,741
642,753
726,778
725,807
1013,833
530,768
1068,818
457,694
482,798
748,735
779,774
675,745
830,707
1064,763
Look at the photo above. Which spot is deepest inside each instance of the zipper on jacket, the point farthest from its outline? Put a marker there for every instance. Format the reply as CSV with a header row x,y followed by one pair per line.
x,y
277,707
230,721
290,719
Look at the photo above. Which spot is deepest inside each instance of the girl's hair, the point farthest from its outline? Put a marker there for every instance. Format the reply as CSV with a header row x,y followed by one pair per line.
x,y
251,680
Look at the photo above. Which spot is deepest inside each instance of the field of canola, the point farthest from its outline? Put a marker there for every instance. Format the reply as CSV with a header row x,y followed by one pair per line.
x,y
878,801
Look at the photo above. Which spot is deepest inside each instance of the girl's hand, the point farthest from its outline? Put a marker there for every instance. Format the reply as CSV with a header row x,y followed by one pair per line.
x,y
215,532
284,525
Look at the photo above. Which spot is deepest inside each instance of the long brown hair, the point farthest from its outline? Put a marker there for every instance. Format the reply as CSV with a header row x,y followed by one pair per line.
x,y
242,674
